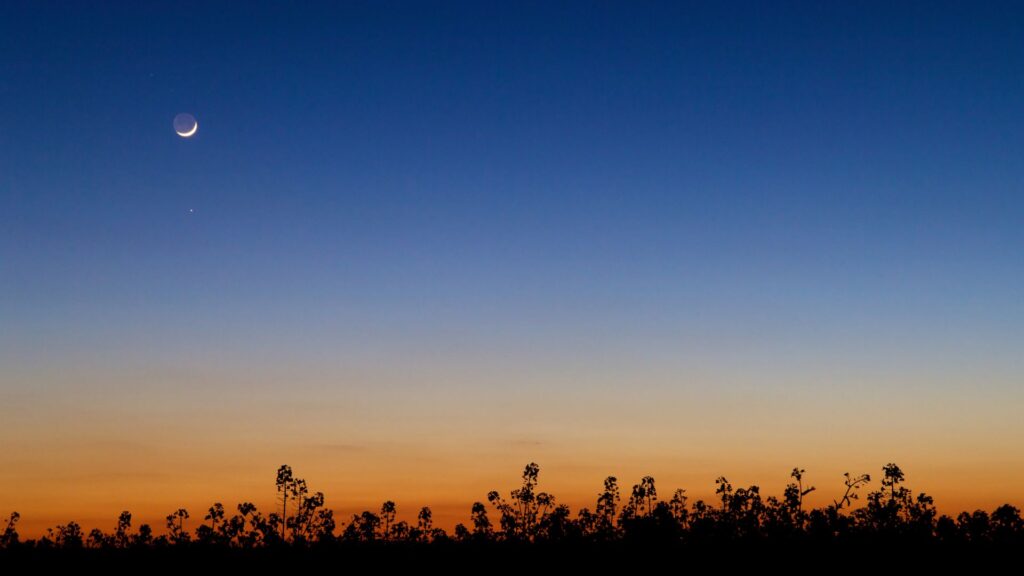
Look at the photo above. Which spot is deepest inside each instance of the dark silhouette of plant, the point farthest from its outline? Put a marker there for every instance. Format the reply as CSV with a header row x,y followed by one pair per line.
x,y
401,531
641,500
1006,524
9,537
387,516
248,528
557,526
96,539
603,522
176,527
482,529
884,506
66,536
215,515
646,519
144,537
363,528
311,518
210,534
520,516
891,513
793,496
124,524
975,527
424,525
893,510
288,488
677,507
853,484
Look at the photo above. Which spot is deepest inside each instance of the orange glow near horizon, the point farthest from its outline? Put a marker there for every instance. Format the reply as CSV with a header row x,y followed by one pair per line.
x,y
84,442
91,486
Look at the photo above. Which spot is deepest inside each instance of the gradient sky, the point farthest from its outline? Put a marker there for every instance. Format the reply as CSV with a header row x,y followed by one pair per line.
x,y
415,246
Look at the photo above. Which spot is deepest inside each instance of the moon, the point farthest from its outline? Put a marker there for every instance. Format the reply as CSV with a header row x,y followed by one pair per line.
x,y
185,125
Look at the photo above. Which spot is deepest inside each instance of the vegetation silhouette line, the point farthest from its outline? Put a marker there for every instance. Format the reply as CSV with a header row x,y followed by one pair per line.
x,y
531,517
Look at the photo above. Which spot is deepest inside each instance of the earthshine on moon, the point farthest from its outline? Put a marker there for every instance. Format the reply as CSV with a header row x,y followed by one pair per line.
x,y
185,125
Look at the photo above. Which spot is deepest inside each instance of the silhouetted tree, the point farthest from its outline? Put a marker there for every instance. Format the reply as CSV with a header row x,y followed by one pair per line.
x,y
124,523
1006,524
66,536
288,488
387,517
248,528
677,506
210,534
974,527
215,515
311,519
96,539
144,537
363,528
892,510
947,531
401,531
324,526
482,529
520,516
641,499
635,519
558,526
176,527
424,524
605,513
9,537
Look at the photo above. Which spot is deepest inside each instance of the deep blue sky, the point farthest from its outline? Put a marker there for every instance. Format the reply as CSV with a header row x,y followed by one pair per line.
x,y
750,197
560,163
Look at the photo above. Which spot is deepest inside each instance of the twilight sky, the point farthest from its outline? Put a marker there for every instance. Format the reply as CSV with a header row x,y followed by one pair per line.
x,y
414,246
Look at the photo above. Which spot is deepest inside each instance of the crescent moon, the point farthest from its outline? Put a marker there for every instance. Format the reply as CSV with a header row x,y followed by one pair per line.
x,y
190,132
